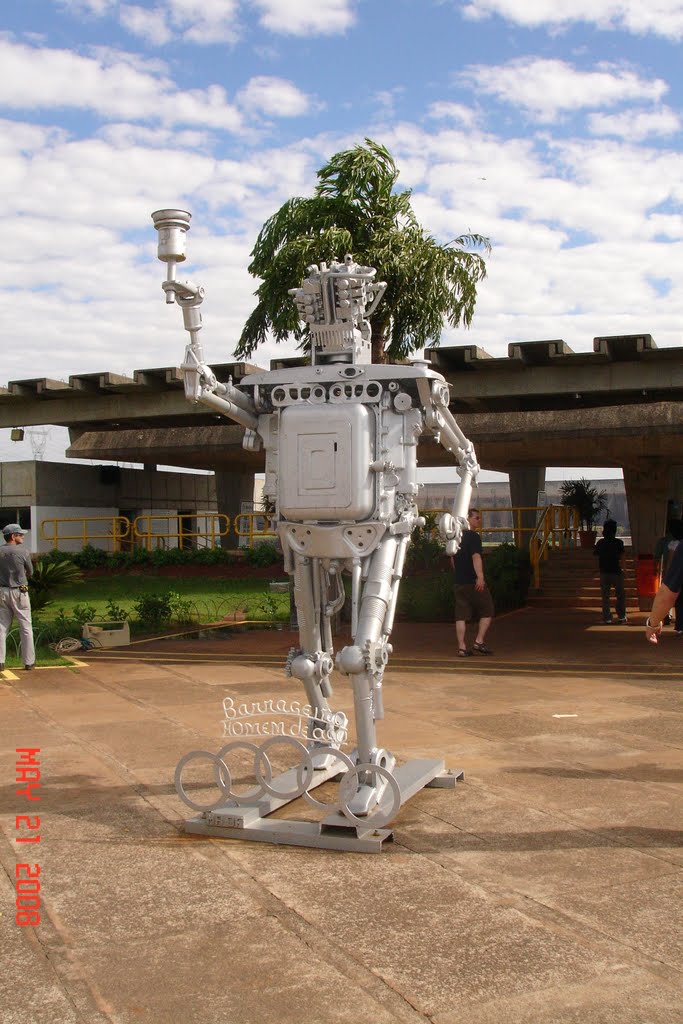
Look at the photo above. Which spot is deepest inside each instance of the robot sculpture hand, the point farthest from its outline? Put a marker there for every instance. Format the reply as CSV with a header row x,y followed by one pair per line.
x,y
340,439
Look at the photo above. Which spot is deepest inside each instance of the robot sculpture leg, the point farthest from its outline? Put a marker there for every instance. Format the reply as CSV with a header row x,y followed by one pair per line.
x,y
364,662
312,661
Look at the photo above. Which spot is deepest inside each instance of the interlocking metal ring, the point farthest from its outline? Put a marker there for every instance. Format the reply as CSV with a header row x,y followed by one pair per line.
x,y
340,757
304,770
379,818
243,798
218,766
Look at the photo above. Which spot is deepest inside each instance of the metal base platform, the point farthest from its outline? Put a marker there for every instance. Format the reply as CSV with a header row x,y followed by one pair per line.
x,y
251,821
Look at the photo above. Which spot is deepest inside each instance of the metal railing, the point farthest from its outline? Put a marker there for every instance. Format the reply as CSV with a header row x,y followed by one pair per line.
x,y
557,527
253,524
117,530
217,525
552,526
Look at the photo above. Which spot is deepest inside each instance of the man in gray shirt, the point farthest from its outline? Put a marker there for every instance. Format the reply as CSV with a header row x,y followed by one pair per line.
x,y
16,570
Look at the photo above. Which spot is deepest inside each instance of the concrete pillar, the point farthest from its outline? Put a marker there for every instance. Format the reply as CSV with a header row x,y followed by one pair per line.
x,y
232,488
647,492
525,483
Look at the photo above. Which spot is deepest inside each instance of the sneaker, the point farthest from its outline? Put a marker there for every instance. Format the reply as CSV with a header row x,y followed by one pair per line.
x,y
607,622
622,622
29,668
678,632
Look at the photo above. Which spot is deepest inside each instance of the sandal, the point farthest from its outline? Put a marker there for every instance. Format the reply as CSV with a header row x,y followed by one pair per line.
x,y
462,653
481,649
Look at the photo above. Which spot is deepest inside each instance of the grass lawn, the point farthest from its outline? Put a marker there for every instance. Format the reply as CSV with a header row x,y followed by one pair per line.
x,y
199,600
204,599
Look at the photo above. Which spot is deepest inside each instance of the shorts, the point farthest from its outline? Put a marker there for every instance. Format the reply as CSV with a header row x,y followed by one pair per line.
x,y
472,604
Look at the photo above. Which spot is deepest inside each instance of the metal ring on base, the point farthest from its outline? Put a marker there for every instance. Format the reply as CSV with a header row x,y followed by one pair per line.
x,y
218,766
340,757
305,767
379,819
248,745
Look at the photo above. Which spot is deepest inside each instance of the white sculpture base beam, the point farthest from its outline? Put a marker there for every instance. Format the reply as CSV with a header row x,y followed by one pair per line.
x,y
250,818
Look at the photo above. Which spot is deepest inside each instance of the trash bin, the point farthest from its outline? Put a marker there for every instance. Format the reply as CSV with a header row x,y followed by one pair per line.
x,y
647,581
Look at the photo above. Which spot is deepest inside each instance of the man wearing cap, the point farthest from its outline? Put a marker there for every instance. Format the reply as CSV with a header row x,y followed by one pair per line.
x,y
16,570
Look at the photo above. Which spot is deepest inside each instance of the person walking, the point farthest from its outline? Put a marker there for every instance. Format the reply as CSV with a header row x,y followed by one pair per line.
x,y
16,570
609,552
665,598
472,597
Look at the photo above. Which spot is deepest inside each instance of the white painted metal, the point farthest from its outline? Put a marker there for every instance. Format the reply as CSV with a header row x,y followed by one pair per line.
x,y
340,439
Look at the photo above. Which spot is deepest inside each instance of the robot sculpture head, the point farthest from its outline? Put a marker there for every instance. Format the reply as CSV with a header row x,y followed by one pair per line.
x,y
335,302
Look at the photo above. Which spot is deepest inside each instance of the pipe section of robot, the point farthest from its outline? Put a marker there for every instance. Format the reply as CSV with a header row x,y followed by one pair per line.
x,y
230,409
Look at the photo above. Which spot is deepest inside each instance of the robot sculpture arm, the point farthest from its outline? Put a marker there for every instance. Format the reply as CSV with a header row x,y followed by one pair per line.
x,y
199,379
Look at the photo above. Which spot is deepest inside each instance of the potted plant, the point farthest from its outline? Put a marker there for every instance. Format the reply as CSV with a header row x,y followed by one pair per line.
x,y
589,503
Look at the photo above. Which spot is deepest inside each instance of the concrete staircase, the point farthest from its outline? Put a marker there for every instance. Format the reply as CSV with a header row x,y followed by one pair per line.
x,y
570,579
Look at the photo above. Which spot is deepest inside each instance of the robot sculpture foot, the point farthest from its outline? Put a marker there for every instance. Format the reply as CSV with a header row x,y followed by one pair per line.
x,y
372,781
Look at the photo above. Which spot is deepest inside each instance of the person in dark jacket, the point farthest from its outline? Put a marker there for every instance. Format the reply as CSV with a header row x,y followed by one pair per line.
x,y
609,552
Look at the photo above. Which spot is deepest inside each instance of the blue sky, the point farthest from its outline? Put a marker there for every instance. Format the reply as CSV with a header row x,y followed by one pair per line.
x,y
558,135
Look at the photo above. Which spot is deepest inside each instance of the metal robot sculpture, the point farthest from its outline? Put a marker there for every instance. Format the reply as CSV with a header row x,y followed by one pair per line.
x,y
340,439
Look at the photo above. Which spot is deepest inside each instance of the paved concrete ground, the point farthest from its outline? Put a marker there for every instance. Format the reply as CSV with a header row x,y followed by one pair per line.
x,y
544,890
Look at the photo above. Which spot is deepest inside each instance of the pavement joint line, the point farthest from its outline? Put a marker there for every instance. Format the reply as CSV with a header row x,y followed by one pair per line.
x,y
59,957
321,945
478,668
560,922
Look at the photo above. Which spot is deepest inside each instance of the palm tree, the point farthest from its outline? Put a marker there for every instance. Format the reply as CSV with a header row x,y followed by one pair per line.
x,y
355,209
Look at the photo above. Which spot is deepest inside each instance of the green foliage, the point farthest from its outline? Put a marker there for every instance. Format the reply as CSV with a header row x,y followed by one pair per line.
x,y
427,598
154,610
427,549
47,579
582,495
115,613
357,209
83,613
262,554
508,571
90,557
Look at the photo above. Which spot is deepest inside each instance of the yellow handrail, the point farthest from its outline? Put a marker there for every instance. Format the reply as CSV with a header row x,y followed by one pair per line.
x,y
557,527
119,529
246,525
142,528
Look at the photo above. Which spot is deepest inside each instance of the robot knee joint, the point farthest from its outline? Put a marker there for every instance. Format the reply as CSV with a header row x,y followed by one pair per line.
x,y
351,660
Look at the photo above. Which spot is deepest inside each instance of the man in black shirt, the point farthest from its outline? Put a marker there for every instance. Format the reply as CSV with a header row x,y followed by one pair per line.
x,y
609,552
472,597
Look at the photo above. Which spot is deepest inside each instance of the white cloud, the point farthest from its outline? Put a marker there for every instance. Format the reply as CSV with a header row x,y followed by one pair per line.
x,y
545,87
205,21
274,97
660,17
444,111
111,84
306,17
150,25
636,124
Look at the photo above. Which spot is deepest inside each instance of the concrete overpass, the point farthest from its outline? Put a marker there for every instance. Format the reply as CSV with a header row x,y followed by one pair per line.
x,y
543,405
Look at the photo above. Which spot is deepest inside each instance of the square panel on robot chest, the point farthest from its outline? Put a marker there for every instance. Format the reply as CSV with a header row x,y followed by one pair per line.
x,y
325,453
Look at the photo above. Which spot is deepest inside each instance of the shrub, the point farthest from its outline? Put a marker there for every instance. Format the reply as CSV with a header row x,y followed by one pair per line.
x,y
47,578
262,554
427,548
508,572
154,610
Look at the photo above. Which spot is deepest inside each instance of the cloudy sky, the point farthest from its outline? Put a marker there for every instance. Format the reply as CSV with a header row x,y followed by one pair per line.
x,y
554,129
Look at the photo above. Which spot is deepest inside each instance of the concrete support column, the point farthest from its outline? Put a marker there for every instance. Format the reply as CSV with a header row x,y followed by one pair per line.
x,y
647,486
232,488
525,483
